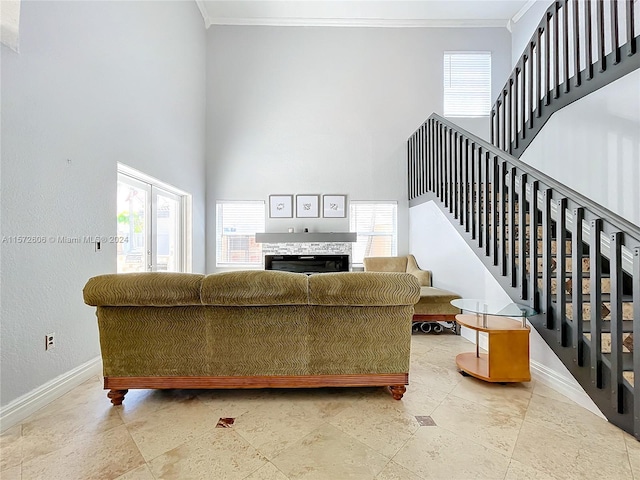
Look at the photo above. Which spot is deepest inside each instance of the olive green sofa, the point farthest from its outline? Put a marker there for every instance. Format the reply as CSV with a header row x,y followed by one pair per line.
x,y
434,308
253,329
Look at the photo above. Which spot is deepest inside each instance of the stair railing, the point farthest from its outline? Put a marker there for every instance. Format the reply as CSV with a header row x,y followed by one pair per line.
x,y
548,246
577,48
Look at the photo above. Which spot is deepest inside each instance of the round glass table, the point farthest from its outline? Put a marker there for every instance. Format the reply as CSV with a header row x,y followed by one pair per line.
x,y
507,357
482,307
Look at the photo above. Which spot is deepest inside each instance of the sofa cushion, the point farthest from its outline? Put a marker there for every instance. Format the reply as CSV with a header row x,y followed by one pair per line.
x,y
159,289
435,301
254,287
362,289
385,264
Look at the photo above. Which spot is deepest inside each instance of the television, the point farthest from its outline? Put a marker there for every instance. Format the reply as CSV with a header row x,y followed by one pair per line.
x,y
307,263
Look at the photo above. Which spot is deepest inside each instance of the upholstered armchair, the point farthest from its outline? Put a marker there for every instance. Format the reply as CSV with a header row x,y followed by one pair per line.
x,y
434,310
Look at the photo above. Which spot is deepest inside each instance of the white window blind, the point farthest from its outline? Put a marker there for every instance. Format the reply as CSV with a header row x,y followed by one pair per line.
x,y
467,84
236,226
376,226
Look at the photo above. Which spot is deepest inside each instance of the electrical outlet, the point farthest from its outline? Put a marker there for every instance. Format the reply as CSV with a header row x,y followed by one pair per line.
x,y
49,341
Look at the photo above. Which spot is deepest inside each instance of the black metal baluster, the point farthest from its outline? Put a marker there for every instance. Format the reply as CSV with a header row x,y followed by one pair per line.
x,y
522,236
410,166
547,260
511,227
565,45
502,199
615,39
636,331
485,200
457,191
438,164
533,247
601,47
471,188
465,207
492,135
539,95
509,126
588,39
516,108
523,98
595,291
421,162
576,42
530,102
445,169
560,312
556,52
429,154
547,46
576,286
494,209
616,240
451,179
631,36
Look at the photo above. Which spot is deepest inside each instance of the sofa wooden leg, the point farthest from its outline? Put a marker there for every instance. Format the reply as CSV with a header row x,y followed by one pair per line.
x,y
117,396
397,391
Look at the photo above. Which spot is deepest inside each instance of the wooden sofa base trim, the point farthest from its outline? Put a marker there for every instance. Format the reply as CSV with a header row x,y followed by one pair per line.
x,y
395,381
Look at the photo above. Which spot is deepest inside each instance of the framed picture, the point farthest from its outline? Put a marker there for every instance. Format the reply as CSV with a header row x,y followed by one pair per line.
x,y
281,206
307,206
333,206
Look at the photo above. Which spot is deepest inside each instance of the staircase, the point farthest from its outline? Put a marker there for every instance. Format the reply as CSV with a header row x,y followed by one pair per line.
x,y
572,260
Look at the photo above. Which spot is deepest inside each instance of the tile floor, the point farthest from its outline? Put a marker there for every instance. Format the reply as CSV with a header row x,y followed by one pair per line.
x,y
481,431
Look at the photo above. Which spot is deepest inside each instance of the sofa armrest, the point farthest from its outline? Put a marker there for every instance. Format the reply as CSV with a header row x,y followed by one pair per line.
x,y
423,276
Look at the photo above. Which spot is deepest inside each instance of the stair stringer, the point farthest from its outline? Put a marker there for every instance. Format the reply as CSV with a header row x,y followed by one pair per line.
x,y
570,380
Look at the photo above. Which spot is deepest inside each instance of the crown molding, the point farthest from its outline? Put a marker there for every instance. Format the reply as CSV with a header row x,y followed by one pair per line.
x,y
355,22
205,15
520,13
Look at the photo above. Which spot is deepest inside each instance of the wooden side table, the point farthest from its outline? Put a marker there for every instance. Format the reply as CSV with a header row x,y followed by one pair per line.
x,y
507,357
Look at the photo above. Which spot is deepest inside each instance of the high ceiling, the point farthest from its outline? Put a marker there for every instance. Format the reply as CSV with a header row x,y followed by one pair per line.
x,y
496,13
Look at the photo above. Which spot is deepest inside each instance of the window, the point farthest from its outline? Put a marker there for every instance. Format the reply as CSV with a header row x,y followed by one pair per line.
x,y
376,226
467,84
236,226
153,224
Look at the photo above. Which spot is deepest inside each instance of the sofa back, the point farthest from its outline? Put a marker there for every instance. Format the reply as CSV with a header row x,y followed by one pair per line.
x,y
254,323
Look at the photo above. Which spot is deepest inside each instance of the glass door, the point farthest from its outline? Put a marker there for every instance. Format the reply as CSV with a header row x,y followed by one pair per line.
x,y
166,230
153,219
134,204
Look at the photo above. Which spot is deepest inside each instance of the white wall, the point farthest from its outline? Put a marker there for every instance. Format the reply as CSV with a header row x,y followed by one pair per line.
x,y
95,83
438,247
326,110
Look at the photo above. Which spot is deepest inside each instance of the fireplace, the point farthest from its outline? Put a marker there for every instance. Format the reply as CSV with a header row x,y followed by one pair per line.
x,y
307,263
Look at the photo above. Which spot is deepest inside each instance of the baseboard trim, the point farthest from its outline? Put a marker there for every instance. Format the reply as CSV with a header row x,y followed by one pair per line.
x,y
22,407
564,385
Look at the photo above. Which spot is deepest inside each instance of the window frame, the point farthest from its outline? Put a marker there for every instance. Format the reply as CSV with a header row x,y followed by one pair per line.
x,y
463,96
353,227
219,236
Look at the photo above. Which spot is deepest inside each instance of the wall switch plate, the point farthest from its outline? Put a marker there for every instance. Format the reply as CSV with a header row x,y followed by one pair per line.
x,y
49,341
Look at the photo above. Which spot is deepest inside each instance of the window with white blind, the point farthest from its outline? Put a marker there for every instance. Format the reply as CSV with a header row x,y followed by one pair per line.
x,y
467,84
376,226
237,223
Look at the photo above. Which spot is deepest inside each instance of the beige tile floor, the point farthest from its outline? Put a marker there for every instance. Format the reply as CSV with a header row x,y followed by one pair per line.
x,y
482,431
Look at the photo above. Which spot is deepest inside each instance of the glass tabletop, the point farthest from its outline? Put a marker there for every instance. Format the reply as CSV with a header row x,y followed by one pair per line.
x,y
502,310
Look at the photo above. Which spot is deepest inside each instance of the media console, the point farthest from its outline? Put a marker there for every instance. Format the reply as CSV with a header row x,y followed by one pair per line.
x,y
307,263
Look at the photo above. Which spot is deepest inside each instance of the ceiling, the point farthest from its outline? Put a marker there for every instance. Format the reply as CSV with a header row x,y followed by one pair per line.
x,y
373,13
